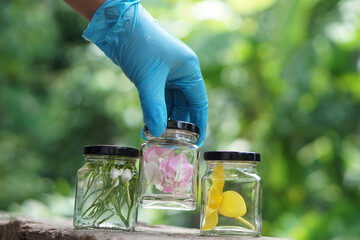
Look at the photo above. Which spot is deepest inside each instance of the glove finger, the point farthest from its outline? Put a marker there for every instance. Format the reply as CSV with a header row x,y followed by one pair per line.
x,y
180,110
169,99
195,94
152,98
143,134
199,117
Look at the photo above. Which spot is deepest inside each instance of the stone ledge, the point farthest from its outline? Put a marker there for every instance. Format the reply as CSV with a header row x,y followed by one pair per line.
x,y
44,229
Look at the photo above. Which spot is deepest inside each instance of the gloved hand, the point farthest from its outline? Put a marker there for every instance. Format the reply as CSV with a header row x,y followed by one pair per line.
x,y
165,71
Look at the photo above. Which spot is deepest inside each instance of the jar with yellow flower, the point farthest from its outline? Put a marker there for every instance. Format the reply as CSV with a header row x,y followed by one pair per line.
x,y
231,194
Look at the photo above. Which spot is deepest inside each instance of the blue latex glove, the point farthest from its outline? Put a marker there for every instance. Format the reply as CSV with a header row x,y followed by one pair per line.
x,y
165,71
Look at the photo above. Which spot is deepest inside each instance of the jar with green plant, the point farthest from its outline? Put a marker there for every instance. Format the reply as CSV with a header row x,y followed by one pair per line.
x,y
106,188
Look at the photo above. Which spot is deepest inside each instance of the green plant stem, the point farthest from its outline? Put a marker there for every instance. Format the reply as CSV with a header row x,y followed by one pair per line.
x,y
105,219
118,211
87,197
128,191
112,198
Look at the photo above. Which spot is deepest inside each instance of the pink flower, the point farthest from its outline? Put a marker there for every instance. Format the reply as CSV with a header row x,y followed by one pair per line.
x,y
169,173
177,173
155,154
153,173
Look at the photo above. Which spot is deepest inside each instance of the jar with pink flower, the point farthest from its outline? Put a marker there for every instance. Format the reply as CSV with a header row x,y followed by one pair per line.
x,y
169,168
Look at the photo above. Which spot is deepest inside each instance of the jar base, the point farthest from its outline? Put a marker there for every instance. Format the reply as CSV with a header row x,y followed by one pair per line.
x,y
170,203
106,226
240,231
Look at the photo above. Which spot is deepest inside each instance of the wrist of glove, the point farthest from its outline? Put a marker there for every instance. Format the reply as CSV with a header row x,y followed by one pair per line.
x,y
165,71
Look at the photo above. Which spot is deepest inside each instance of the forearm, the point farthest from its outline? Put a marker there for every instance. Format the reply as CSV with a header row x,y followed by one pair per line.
x,y
85,8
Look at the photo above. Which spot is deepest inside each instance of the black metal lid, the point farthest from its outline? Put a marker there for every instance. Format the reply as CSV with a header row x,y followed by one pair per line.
x,y
232,156
111,150
175,124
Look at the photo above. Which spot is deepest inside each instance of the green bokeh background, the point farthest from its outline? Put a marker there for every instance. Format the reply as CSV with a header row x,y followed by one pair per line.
x,y
282,79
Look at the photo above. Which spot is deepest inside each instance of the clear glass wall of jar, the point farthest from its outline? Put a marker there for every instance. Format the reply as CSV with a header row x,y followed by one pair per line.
x,y
106,188
169,168
231,194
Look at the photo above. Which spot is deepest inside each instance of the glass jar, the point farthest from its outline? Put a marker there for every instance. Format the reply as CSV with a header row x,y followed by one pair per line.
x,y
169,168
106,188
231,194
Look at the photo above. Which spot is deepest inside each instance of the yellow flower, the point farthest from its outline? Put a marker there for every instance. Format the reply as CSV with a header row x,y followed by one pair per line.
x,y
229,203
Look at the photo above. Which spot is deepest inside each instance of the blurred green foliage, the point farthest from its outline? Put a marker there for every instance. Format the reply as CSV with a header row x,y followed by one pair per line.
x,y
282,79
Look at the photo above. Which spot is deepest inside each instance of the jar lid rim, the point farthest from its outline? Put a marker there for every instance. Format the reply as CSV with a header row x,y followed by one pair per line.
x,y
232,156
181,125
110,150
